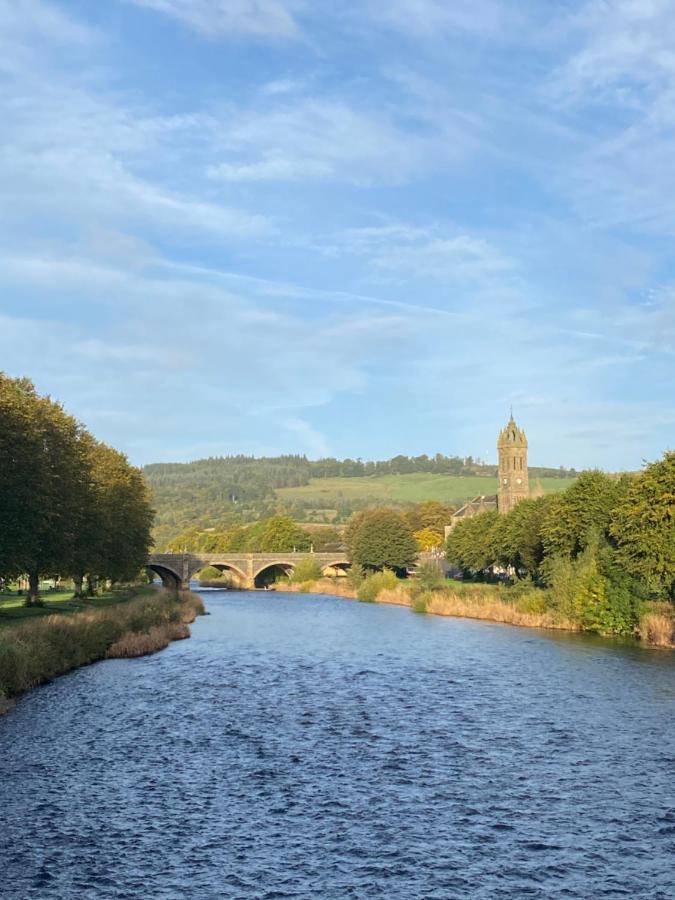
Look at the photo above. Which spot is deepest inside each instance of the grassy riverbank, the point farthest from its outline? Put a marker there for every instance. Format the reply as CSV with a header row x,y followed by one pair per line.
x,y
494,603
131,623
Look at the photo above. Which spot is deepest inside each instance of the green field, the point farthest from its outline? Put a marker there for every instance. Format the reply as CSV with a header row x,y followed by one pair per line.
x,y
13,611
453,489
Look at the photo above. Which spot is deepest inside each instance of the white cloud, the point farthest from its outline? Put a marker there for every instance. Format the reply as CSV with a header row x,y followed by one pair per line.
x,y
620,68
401,250
326,138
223,18
44,21
433,17
71,155
624,45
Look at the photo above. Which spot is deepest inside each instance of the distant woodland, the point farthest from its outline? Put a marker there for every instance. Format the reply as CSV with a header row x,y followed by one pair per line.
x,y
224,492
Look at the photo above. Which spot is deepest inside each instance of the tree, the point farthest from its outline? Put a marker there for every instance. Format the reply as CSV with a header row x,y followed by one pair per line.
x,y
46,482
643,525
519,541
381,538
428,539
583,509
68,504
431,514
471,544
126,516
306,570
281,534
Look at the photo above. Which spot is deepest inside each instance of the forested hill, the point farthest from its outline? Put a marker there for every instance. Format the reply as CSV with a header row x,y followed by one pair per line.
x,y
229,490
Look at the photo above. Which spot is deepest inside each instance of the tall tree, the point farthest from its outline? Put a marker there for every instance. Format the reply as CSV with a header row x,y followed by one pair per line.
x,y
585,509
643,526
381,538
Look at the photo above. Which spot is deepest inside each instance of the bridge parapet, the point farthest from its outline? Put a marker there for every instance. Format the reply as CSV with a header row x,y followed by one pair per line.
x,y
176,569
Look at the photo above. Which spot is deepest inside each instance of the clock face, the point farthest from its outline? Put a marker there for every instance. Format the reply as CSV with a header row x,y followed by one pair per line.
x,y
505,480
519,480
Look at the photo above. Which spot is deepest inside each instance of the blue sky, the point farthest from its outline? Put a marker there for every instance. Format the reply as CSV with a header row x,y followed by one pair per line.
x,y
354,229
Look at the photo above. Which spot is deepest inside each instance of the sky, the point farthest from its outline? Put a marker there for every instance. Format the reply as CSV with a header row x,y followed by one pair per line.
x,y
347,229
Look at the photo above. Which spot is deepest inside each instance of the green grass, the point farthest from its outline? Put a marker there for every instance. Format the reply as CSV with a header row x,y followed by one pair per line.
x,y
413,488
12,610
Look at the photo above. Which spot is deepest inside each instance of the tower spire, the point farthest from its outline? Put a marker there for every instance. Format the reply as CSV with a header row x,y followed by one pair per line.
x,y
512,467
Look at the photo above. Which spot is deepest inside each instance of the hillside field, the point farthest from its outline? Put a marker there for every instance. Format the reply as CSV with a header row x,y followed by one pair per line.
x,y
414,488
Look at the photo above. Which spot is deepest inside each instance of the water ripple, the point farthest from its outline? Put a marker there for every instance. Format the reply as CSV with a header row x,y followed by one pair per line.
x,y
305,747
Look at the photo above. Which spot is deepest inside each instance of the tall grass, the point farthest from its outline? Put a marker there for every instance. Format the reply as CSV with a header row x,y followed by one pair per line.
x,y
523,605
657,624
40,649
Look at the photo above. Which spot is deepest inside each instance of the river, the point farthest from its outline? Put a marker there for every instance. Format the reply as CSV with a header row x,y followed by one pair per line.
x,y
306,747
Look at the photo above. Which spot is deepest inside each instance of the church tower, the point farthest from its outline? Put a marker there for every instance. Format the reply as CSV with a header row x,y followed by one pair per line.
x,y
513,480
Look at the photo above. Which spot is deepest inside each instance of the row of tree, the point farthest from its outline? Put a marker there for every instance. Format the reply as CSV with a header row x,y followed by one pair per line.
x,y
598,548
70,506
422,523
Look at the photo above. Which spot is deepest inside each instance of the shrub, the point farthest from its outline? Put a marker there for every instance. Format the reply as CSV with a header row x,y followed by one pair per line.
x,y
428,577
306,570
371,586
420,602
532,602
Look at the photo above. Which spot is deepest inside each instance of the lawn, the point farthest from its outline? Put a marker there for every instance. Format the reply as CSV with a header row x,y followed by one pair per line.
x,y
413,488
12,610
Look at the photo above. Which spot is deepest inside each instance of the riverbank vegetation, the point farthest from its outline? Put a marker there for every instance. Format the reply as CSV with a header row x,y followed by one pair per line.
x,y
133,623
70,506
599,557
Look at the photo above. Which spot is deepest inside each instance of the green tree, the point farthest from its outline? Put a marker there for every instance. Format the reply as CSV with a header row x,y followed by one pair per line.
x,y
519,541
281,534
306,570
381,538
643,525
471,545
126,516
584,509
431,514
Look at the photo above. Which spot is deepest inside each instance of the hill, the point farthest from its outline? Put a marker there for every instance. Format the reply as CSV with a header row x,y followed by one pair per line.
x,y
224,492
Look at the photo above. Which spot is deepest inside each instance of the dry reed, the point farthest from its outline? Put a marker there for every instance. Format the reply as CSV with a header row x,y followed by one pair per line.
x,y
157,638
657,625
476,601
39,650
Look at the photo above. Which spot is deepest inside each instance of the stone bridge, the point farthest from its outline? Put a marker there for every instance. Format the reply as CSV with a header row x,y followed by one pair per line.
x,y
248,570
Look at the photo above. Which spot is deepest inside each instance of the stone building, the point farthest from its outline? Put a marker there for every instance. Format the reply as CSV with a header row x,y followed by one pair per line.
x,y
513,478
512,474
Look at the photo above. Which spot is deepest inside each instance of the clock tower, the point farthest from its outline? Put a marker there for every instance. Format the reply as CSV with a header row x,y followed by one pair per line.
x,y
513,480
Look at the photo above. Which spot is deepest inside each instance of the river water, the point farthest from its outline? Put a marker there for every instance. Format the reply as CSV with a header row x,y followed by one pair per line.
x,y
311,747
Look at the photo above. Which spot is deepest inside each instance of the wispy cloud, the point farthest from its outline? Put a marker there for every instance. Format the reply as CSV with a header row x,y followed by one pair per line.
x,y
434,17
226,18
442,208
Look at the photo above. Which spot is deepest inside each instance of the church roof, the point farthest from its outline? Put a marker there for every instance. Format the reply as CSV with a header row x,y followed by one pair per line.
x,y
477,505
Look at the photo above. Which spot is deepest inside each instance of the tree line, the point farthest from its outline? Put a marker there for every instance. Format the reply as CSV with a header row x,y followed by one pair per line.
x,y
222,492
422,523
70,506
597,550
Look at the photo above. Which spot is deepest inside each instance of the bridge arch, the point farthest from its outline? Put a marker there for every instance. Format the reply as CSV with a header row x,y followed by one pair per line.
x,y
269,572
227,568
170,579
337,569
